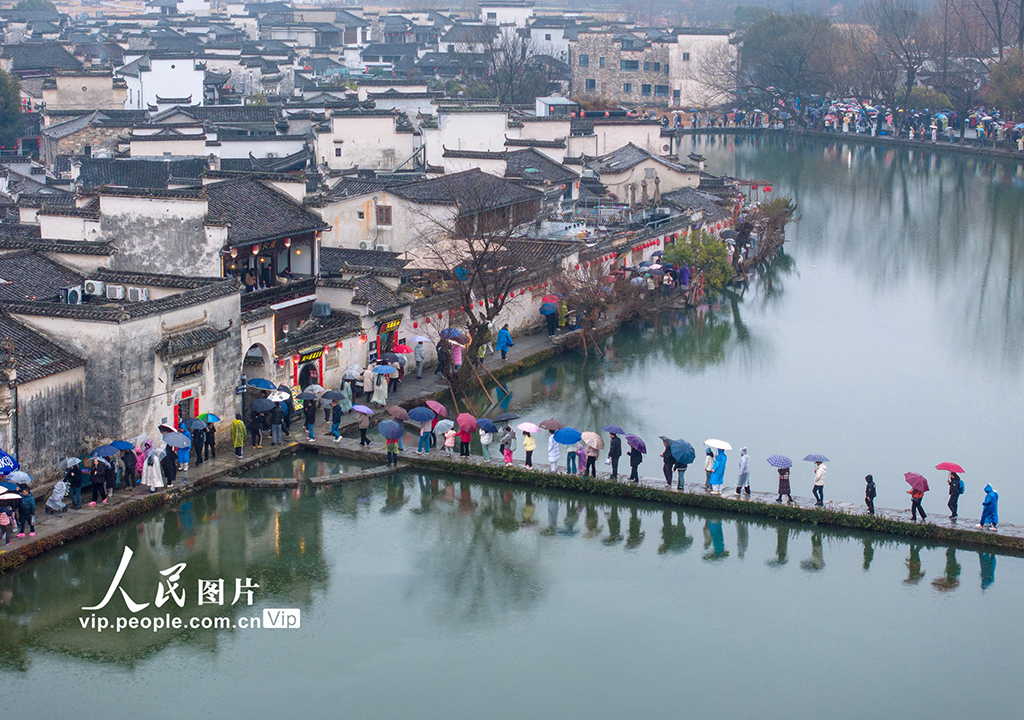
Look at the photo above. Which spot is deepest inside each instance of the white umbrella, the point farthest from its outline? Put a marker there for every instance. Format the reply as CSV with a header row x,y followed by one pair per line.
x,y
278,396
718,444
68,462
528,427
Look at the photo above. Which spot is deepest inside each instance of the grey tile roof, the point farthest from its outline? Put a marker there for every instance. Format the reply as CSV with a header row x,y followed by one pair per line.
x,y
629,156
137,173
183,282
475,154
35,356
190,342
462,33
320,331
558,144
375,295
534,166
47,56
29,275
471,191
257,212
337,260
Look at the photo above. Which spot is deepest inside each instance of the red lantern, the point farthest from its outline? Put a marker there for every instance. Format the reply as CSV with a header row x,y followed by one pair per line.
x,y
427,321
362,338
531,288
754,187
295,359
280,363
607,114
440,315
481,303
416,324
340,344
577,266
767,188
451,313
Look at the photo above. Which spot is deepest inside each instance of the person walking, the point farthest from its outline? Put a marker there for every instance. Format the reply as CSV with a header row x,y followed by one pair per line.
x,y
444,357
169,466
73,477
238,434
380,390
614,453
309,415
504,341
955,490
346,397
784,488
27,516
552,320
336,420
635,458
743,483
819,483
6,525
449,442
185,453
570,459
990,509
276,424
210,443
485,444
529,445
256,431
709,467
198,443
680,472
870,491
916,495
718,472
152,474
423,446
419,354
363,425
391,446
668,462
554,452
465,437
97,481
368,382
592,454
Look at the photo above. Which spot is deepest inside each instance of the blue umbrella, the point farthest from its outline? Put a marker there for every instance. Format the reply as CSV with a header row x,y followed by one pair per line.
x,y
614,430
486,425
391,429
645,263
384,370
13,487
682,451
122,445
104,451
814,457
7,463
422,414
780,461
567,436
548,309
262,384
362,409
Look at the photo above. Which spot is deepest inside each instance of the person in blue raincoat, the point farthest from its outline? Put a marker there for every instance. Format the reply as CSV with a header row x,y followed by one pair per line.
x,y
504,341
718,472
990,508
185,452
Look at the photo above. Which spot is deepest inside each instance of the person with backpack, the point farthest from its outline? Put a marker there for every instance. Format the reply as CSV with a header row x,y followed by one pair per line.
x,y
869,493
956,489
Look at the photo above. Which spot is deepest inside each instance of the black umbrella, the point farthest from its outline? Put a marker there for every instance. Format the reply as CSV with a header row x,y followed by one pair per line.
x,y
262,405
195,424
331,395
284,389
305,396
505,417
389,357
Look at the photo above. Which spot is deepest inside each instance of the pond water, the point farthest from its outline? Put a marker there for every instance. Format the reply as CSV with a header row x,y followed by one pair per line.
x,y
305,466
890,337
437,598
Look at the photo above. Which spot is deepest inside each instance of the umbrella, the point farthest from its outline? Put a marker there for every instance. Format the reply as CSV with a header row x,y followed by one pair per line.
x,y
816,458
456,335
718,444
952,467
658,253
389,357
158,454
262,384
282,388
636,443
123,445
278,396
780,461
548,309
211,418
421,414
467,422
351,374
551,424
140,440
362,409
614,430
550,299
730,234
646,263
528,427
637,281
916,481
177,440
20,477
419,338
390,429
68,462
314,388
682,451
657,271
385,370
486,425
101,460
404,349
262,405
9,486
165,428
593,440
506,416
11,496
437,407
103,451
567,436
398,413
331,395
305,395
195,424
444,426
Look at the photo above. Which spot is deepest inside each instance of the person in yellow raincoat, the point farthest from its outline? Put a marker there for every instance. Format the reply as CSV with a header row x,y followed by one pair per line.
x,y
238,433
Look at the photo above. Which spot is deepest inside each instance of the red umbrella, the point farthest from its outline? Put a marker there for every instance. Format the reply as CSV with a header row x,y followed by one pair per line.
x,y
467,422
398,413
437,407
952,467
917,481
401,349
550,298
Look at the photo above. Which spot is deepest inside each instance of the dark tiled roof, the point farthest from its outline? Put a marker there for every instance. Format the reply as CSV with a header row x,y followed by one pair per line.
x,y
29,275
319,331
190,342
260,313
59,247
475,154
529,142
354,187
226,113
184,282
337,260
461,33
375,295
392,82
533,165
40,56
389,49
471,191
137,173
629,156
35,356
257,212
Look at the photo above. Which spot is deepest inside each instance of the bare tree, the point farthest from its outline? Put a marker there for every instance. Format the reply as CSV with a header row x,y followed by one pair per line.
x,y
513,74
958,50
902,34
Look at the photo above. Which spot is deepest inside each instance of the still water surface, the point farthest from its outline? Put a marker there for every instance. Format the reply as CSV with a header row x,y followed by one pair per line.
x,y
437,598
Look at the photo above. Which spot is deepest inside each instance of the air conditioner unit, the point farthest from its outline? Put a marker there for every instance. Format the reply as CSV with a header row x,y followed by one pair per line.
x,y
321,309
94,287
115,292
363,245
136,294
71,295
382,248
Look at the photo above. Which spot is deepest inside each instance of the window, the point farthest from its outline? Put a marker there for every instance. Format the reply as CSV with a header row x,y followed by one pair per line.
x,y
383,214
661,91
629,65
591,84
627,44
676,97
647,66
547,36
686,57
657,67
337,152
87,150
600,62
360,214
645,89
665,66
584,61
451,48
649,173
627,88
492,16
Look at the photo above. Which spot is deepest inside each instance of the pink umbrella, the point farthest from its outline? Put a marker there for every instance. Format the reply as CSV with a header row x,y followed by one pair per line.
x,y
398,413
437,407
916,481
467,422
528,427
362,409
950,466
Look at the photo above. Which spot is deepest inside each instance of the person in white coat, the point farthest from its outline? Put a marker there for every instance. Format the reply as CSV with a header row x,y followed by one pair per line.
x,y
486,439
709,466
819,484
554,453
743,482
368,382
152,475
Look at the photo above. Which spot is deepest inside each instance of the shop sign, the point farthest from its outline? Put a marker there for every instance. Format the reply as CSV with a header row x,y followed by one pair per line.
x,y
190,369
311,355
390,325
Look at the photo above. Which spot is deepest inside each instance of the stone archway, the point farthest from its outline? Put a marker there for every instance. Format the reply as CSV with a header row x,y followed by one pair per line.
x,y
257,362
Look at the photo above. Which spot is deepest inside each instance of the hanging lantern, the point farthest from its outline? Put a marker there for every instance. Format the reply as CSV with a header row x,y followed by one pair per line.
x,y
427,321
287,242
753,187
416,324
327,349
362,338
339,344
295,359
255,249
440,315
234,252
280,362
767,188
